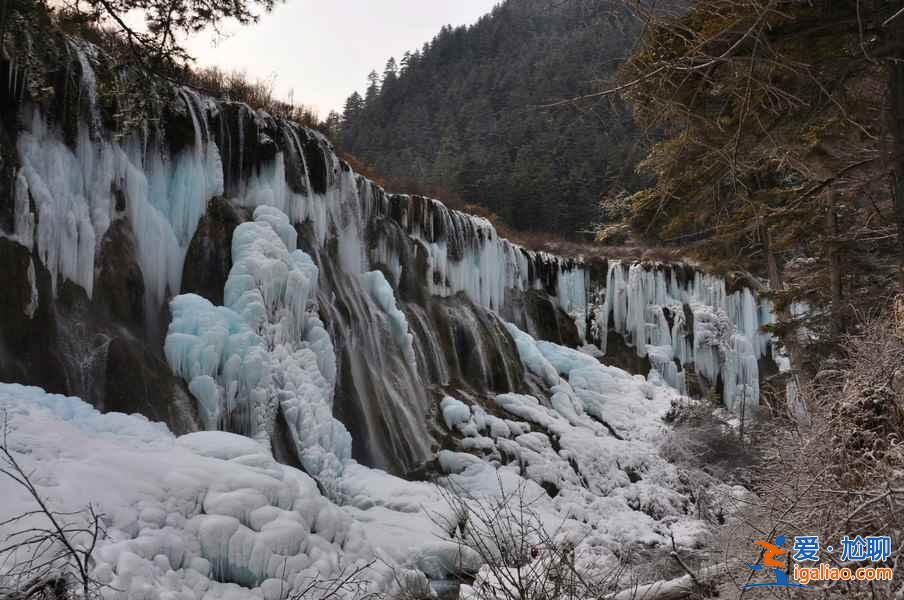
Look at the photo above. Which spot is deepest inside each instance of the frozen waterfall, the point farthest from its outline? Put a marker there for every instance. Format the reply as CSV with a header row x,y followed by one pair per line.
x,y
679,317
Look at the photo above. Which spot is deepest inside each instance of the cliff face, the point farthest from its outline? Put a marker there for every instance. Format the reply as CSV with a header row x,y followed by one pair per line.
x,y
220,269
101,231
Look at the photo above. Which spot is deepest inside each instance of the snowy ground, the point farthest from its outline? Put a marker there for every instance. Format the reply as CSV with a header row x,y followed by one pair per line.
x,y
212,515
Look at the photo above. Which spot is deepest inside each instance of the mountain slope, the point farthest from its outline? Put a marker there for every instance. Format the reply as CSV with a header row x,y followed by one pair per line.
x,y
464,114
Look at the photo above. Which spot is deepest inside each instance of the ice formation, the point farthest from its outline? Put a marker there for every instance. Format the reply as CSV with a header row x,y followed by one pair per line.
x,y
79,188
679,317
207,515
76,192
266,350
381,293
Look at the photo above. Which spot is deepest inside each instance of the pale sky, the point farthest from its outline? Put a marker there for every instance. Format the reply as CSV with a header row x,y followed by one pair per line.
x,y
323,49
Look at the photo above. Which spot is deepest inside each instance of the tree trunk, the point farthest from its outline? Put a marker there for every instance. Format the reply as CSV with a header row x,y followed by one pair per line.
x,y
896,105
775,274
834,264
682,588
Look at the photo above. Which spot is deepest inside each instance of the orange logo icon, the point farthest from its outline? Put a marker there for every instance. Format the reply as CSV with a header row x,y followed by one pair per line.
x,y
770,551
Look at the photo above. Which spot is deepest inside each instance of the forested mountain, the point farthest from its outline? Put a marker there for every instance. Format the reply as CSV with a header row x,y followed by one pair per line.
x,y
464,117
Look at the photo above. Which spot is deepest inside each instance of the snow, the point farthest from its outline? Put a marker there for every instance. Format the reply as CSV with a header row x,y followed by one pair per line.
x,y
208,515
455,412
75,189
596,443
531,356
212,515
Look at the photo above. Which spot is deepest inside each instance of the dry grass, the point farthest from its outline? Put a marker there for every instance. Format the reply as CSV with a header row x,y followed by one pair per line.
x,y
228,85
257,93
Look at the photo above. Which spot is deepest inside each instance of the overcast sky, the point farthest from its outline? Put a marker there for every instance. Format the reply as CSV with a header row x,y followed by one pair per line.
x,y
324,49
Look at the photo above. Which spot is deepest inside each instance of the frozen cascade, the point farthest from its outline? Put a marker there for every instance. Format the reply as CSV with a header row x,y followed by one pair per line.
x,y
415,301
678,317
84,52
464,252
212,515
73,206
265,350
365,242
75,193
381,293
77,188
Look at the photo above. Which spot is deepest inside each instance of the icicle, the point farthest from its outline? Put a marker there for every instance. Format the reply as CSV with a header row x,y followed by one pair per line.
x,y
727,329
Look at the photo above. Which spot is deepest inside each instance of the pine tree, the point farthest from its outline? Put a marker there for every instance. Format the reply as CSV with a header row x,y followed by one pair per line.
x,y
373,88
333,125
406,61
353,107
466,104
391,70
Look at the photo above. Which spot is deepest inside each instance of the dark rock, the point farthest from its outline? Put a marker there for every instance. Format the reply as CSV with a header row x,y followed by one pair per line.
x,y
209,256
27,344
289,139
139,381
235,131
318,169
266,149
178,126
9,164
16,292
621,355
79,347
119,286
550,321
539,315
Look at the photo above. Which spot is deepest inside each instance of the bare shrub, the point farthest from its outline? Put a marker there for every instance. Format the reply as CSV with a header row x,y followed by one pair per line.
x,y
842,474
350,583
49,553
521,558
524,560
700,438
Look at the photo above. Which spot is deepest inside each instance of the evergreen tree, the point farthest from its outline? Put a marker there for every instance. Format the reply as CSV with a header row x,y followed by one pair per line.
x,y
463,117
353,107
373,88
406,61
333,124
391,70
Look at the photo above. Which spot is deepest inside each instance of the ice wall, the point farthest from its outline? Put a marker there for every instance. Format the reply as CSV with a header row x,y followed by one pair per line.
x,y
162,181
381,258
679,317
